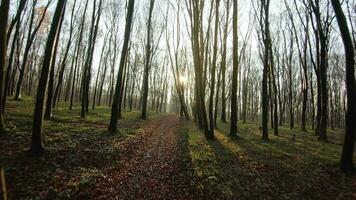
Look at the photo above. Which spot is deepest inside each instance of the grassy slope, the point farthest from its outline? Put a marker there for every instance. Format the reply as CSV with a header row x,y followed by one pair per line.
x,y
250,168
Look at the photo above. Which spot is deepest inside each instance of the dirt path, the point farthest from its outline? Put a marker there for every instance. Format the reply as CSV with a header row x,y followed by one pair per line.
x,y
154,167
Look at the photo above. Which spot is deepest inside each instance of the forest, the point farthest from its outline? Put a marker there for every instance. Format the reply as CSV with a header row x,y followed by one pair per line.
x,y
177,99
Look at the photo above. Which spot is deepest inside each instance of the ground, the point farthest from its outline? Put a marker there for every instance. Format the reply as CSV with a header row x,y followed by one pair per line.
x,y
165,157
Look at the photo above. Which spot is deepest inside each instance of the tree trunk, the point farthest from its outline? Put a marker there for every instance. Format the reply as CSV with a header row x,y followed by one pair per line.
x,y
36,139
233,109
147,64
4,15
350,130
114,108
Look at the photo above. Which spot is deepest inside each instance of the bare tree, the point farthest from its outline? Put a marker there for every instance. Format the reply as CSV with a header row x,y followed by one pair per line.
x,y
36,139
114,108
4,15
350,130
233,127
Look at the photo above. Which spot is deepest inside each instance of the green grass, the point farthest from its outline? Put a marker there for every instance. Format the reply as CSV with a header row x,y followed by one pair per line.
x,y
250,168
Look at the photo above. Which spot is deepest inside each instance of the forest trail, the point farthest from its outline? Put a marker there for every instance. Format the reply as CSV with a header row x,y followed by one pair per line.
x,y
155,169
165,157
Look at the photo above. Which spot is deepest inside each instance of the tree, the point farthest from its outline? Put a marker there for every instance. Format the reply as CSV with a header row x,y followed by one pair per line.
x,y
350,129
64,60
114,108
233,125
223,63
77,54
48,110
89,58
15,21
264,23
213,71
195,14
36,138
173,57
147,62
321,27
4,15
30,39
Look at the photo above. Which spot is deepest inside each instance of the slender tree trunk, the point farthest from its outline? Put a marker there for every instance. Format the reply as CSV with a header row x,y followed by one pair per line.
x,y
223,63
10,67
4,15
233,123
48,110
265,23
213,71
350,129
114,108
77,56
30,39
147,64
36,139
63,65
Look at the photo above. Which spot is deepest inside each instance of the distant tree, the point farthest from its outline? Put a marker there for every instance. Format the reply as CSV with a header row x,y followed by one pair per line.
x,y
173,57
36,139
213,71
77,54
114,108
350,129
195,13
86,74
321,24
30,39
14,23
223,62
4,15
16,19
65,57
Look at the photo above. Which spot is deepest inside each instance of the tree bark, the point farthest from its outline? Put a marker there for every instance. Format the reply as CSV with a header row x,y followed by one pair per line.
x,y
4,15
114,108
147,64
36,138
350,129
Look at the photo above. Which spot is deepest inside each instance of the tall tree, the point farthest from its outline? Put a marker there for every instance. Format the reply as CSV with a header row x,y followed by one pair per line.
x,y
114,108
173,57
147,62
30,39
89,58
36,138
15,22
264,23
223,62
350,129
4,15
65,57
321,26
195,9
48,110
77,54
213,71
233,125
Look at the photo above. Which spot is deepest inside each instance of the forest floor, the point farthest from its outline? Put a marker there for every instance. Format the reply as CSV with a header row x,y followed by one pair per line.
x,y
165,158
